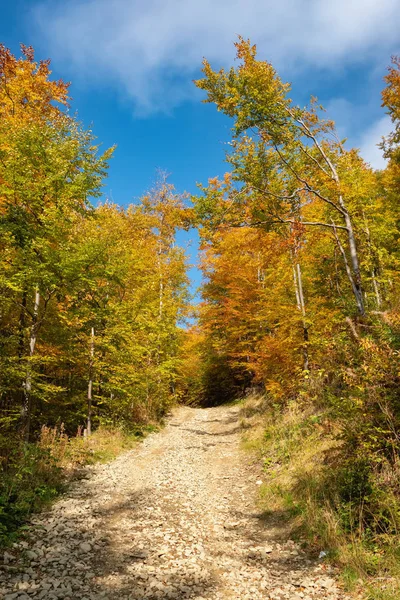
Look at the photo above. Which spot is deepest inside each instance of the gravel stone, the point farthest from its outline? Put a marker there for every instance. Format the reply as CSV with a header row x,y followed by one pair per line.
x,y
176,517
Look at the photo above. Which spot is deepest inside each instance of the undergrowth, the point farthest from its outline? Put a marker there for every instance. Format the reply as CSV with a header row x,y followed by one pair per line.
x,y
345,505
32,475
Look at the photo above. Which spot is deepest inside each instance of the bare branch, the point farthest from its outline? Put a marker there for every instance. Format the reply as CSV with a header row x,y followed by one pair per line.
x,y
307,185
283,221
316,223
311,136
352,329
348,270
279,196
303,149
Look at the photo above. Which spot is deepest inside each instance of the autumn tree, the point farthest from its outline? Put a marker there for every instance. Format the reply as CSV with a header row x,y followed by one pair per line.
x,y
49,167
391,101
288,164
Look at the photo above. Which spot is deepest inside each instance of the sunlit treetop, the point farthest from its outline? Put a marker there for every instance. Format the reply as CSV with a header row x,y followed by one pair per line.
x,y
391,101
26,91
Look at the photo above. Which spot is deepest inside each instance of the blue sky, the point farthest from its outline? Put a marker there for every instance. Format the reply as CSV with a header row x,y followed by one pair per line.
x,y
132,62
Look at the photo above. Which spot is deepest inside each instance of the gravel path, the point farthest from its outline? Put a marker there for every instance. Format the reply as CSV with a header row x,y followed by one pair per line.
x,y
174,518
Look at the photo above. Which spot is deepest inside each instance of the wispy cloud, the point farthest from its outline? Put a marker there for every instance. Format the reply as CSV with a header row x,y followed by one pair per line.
x,y
364,125
370,139
152,49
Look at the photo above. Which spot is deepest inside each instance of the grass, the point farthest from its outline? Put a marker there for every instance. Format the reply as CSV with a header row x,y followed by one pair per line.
x,y
337,506
105,444
33,475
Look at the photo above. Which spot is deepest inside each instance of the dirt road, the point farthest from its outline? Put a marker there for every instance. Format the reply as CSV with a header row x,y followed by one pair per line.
x,y
175,518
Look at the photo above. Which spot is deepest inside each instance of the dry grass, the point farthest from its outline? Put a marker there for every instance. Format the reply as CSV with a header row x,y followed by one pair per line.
x,y
103,445
32,475
298,448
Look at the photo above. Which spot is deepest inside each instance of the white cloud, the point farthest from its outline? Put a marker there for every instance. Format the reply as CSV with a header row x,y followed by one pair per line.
x,y
362,127
151,49
348,117
369,140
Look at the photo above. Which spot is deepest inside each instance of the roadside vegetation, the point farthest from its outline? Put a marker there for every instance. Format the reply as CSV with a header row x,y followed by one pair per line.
x,y
34,474
300,256
90,296
340,508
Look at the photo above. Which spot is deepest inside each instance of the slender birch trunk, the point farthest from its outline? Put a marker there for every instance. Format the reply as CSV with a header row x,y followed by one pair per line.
x,y
298,288
90,386
161,282
375,284
356,287
376,290
161,298
21,325
353,268
27,403
357,282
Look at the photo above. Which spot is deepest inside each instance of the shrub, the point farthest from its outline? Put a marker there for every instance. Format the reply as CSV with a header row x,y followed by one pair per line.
x,y
30,478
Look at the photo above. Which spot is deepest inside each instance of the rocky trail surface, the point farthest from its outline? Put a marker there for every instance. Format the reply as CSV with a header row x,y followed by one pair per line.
x,y
174,518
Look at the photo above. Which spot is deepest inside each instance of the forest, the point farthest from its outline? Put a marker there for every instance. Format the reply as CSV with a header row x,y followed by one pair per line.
x,y
299,317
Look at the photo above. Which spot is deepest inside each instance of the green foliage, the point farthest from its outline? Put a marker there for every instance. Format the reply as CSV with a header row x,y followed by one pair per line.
x,y
346,505
90,298
30,478
301,298
32,475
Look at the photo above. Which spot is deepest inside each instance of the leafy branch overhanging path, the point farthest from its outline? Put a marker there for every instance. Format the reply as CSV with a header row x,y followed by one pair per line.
x,y
174,518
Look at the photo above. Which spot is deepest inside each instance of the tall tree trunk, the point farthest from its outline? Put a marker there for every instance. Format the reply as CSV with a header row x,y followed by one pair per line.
x,y
161,298
375,268
352,276
27,402
357,286
353,269
90,386
21,325
161,282
376,289
21,345
298,288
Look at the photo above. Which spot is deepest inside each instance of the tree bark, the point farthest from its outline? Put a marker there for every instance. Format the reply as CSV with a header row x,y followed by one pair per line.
x,y
353,271
357,282
376,290
90,386
298,288
357,290
374,270
27,403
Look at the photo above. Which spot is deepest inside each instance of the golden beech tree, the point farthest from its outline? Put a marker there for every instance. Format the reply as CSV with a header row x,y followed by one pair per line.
x,y
90,298
301,262
288,164
115,307
249,309
28,95
391,101
389,208
48,168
